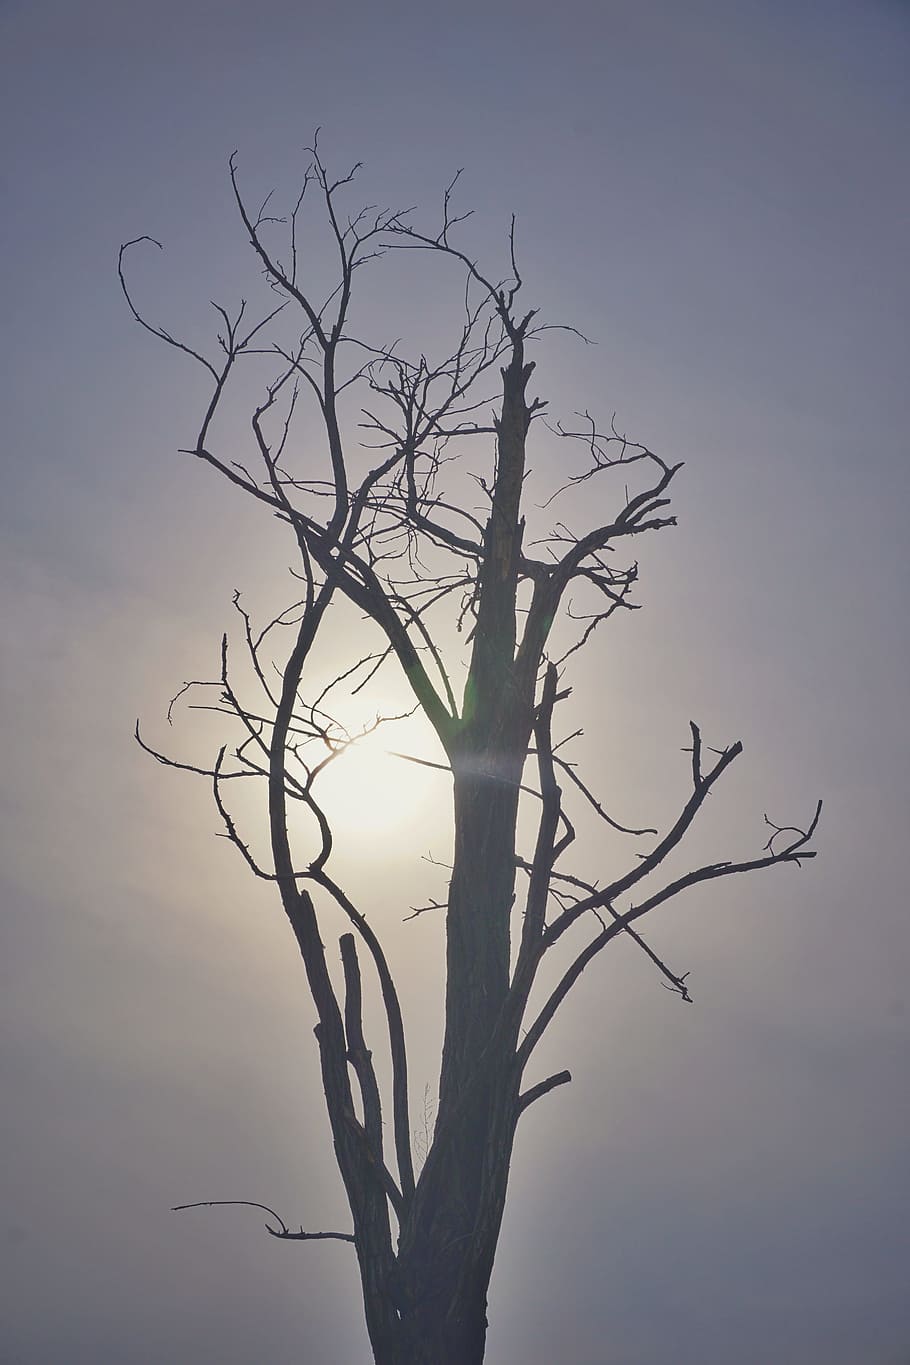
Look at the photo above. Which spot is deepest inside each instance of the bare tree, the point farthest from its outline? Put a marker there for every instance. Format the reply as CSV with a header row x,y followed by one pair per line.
x,y
385,523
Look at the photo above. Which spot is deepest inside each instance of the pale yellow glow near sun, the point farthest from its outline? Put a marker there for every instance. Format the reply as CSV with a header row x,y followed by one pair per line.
x,y
370,792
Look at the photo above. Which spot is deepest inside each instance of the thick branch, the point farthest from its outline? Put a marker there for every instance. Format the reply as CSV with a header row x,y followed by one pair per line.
x,y
535,1092
400,1104
358,1054
544,857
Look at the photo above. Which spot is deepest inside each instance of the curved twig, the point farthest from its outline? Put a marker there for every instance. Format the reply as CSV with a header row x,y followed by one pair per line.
x,y
282,1231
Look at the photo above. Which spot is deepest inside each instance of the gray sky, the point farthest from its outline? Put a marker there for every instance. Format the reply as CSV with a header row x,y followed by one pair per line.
x,y
717,193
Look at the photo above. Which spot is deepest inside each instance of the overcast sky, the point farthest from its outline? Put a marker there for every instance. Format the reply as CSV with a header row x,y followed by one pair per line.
x,y
717,193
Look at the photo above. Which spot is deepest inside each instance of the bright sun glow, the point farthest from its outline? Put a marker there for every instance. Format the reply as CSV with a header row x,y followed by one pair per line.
x,y
371,792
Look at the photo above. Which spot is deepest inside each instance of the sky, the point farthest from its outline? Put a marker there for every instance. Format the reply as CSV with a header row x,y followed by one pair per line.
x,y
717,194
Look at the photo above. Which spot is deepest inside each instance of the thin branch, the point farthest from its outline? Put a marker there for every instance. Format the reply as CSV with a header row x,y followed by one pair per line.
x,y
595,805
282,1231
702,789
794,853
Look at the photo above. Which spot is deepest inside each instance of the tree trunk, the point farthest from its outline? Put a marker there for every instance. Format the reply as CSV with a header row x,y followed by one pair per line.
x,y
448,1242
449,1245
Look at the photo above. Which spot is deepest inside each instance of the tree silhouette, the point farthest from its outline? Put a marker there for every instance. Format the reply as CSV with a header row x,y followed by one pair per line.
x,y
433,554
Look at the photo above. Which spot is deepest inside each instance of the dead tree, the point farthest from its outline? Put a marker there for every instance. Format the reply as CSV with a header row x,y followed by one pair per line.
x,y
380,524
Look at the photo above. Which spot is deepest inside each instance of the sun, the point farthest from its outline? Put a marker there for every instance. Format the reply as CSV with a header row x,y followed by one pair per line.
x,y
373,790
